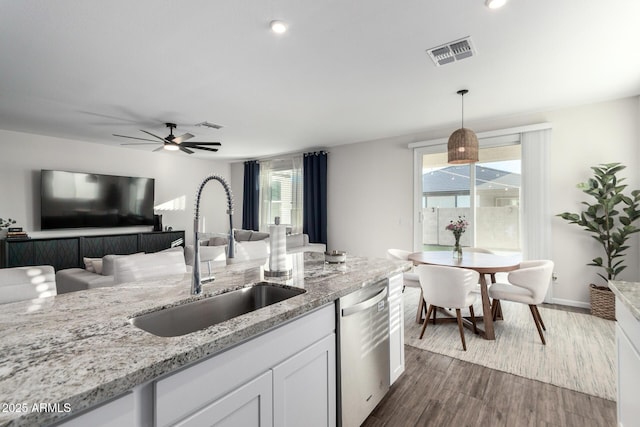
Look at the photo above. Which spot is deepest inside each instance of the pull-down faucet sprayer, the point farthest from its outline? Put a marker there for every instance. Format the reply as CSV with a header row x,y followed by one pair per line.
x,y
196,283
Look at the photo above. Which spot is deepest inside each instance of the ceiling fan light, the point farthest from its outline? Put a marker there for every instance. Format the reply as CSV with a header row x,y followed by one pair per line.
x,y
495,4
171,147
278,27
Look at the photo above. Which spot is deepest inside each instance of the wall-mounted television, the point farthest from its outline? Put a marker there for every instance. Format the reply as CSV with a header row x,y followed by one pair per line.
x,y
75,200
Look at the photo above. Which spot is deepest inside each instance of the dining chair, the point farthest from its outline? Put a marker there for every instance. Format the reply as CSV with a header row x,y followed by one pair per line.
x,y
409,279
448,287
527,285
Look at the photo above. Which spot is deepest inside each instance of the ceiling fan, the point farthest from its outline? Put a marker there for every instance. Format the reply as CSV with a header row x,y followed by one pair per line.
x,y
173,143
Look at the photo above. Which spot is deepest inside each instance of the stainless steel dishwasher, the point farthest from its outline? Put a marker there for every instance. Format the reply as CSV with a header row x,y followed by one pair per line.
x,y
363,352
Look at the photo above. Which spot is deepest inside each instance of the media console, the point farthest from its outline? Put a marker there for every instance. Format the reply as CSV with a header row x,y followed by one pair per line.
x,y
68,252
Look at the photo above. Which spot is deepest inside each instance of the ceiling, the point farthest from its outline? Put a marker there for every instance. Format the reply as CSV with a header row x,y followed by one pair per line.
x,y
346,71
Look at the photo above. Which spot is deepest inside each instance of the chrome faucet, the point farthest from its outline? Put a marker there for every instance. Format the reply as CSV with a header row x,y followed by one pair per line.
x,y
196,283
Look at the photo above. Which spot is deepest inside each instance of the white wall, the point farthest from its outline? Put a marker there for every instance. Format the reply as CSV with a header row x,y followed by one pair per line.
x,y
177,177
369,197
370,187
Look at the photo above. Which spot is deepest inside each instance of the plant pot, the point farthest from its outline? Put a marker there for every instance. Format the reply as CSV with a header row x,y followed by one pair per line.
x,y
603,302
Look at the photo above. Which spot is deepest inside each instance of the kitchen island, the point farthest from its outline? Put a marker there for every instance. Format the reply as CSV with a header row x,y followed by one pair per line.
x,y
75,351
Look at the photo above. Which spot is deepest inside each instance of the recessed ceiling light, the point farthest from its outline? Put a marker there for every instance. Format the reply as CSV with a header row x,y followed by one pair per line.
x,y
278,27
495,4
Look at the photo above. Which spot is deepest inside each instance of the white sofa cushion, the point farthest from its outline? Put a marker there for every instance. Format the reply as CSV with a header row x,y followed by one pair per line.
x,y
250,251
139,267
23,283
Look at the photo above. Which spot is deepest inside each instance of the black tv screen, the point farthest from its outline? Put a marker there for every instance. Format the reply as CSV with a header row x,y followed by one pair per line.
x,y
75,200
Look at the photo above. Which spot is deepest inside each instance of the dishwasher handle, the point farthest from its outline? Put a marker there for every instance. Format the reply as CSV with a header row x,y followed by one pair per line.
x,y
348,311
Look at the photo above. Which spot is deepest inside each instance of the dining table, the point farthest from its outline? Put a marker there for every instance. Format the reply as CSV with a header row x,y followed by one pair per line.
x,y
487,264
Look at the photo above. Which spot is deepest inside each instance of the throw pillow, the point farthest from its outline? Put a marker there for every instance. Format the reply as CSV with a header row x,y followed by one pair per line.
x,y
242,235
256,235
88,264
218,241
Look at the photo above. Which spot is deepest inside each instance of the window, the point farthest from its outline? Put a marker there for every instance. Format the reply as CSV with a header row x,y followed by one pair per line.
x,y
281,193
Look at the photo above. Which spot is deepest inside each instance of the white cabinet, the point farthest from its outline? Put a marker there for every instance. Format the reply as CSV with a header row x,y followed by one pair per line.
x,y
628,355
118,412
295,361
304,387
396,327
250,405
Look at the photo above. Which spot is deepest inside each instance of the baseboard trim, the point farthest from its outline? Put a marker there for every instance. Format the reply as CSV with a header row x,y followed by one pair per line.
x,y
571,303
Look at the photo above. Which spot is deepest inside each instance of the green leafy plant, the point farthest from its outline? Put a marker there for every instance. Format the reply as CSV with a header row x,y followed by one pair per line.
x,y
610,227
4,223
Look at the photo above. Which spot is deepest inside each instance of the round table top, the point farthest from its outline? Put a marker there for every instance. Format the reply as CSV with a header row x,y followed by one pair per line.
x,y
481,262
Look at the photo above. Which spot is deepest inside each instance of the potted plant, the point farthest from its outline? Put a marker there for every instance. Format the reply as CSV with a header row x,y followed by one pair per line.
x,y
4,223
609,225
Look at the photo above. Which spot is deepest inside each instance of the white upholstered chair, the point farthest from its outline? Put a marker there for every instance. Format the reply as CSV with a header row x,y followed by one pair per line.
x,y
527,285
448,287
410,279
24,283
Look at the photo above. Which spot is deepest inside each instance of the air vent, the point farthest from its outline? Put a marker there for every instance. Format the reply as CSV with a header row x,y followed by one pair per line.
x,y
452,52
209,125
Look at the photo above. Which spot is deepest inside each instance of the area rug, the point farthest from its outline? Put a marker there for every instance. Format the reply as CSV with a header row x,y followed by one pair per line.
x,y
579,355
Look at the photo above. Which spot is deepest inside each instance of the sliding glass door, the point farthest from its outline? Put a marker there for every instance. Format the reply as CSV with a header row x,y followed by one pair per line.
x,y
486,194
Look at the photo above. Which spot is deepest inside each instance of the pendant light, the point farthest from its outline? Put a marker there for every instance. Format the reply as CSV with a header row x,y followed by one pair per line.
x,y
463,143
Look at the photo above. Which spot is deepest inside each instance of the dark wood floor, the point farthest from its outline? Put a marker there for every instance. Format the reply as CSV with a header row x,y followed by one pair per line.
x,y
437,390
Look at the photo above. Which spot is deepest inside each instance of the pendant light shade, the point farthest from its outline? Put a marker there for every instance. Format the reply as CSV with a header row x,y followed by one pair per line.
x,y
463,143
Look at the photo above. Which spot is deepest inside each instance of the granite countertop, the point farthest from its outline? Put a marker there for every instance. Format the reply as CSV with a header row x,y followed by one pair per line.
x,y
629,294
79,349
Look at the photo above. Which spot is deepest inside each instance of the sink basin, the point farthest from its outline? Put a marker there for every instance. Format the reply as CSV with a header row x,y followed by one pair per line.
x,y
200,314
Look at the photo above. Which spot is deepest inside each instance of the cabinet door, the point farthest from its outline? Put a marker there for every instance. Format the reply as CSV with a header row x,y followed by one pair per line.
x,y
396,327
248,406
119,412
304,387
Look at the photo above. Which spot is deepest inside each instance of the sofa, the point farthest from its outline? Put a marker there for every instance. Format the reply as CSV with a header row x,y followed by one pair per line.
x,y
101,272
295,242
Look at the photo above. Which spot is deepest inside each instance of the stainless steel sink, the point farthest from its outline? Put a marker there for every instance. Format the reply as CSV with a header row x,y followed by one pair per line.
x,y
200,314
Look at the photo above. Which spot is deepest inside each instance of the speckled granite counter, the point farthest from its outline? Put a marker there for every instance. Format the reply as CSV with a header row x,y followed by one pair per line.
x,y
79,348
629,294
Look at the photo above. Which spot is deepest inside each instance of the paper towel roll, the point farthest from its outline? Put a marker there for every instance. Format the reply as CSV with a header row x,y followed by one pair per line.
x,y
278,242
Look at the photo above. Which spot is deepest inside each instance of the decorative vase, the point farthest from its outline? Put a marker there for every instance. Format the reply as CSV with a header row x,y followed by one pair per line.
x,y
457,251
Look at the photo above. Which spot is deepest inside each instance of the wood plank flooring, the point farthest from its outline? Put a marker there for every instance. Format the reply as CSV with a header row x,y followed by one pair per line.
x,y
437,390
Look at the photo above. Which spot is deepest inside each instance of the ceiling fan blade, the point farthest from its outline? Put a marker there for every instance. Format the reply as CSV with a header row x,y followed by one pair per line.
x,y
205,148
140,143
190,143
159,148
186,150
182,138
155,136
133,137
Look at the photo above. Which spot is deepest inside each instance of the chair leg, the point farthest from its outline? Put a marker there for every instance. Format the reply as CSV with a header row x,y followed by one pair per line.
x,y
473,319
535,319
426,320
539,317
435,310
461,329
422,307
495,306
